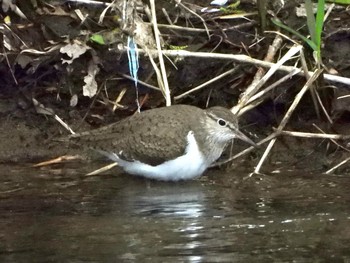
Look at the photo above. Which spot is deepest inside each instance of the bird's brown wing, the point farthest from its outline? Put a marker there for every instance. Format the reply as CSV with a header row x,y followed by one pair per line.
x,y
151,137
150,149
153,143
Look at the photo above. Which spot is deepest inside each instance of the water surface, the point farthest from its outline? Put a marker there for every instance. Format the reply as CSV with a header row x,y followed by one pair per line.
x,y
61,215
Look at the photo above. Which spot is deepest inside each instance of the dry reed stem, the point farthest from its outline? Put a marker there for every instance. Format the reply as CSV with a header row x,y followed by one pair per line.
x,y
65,125
102,169
312,88
205,84
139,81
332,140
258,83
287,116
178,2
166,90
256,99
246,151
58,160
194,29
315,135
103,14
337,166
118,99
242,59
259,80
322,135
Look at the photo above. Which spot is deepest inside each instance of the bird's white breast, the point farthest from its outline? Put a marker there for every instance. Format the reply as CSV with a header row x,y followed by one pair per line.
x,y
188,166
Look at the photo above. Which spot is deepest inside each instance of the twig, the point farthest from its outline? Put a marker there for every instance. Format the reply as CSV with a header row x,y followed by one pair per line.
x,y
165,13
139,81
315,135
272,86
258,98
257,84
9,65
307,76
89,2
160,54
242,59
246,151
337,166
104,168
205,84
323,107
178,2
118,99
333,140
257,81
103,14
286,117
193,29
182,28
58,160
65,125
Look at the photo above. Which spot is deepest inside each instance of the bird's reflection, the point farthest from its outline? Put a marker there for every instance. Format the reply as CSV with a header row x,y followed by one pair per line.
x,y
172,214
158,199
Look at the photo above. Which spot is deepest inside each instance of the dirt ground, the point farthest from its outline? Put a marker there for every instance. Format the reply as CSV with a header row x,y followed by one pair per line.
x,y
35,85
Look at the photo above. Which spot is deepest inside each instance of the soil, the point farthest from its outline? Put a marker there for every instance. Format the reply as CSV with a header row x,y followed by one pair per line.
x,y
34,86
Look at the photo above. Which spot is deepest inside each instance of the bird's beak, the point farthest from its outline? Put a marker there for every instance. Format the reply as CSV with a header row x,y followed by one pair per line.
x,y
244,138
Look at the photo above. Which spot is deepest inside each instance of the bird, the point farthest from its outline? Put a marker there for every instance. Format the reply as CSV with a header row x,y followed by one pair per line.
x,y
173,143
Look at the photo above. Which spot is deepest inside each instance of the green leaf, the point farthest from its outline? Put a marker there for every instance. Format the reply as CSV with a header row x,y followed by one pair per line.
x,y
98,39
342,2
319,24
305,39
310,19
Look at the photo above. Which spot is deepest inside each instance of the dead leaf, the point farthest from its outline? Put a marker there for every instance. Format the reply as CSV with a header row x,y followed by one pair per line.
x,y
90,87
73,51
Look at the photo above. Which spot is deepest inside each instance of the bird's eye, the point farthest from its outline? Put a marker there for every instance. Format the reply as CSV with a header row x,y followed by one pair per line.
x,y
222,122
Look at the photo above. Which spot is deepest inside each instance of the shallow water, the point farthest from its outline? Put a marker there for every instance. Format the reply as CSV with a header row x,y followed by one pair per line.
x,y
61,215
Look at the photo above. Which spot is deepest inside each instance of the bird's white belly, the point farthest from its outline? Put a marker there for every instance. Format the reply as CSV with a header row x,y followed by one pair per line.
x,y
188,166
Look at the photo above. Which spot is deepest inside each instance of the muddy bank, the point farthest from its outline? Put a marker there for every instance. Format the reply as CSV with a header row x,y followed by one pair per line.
x,y
28,137
43,75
